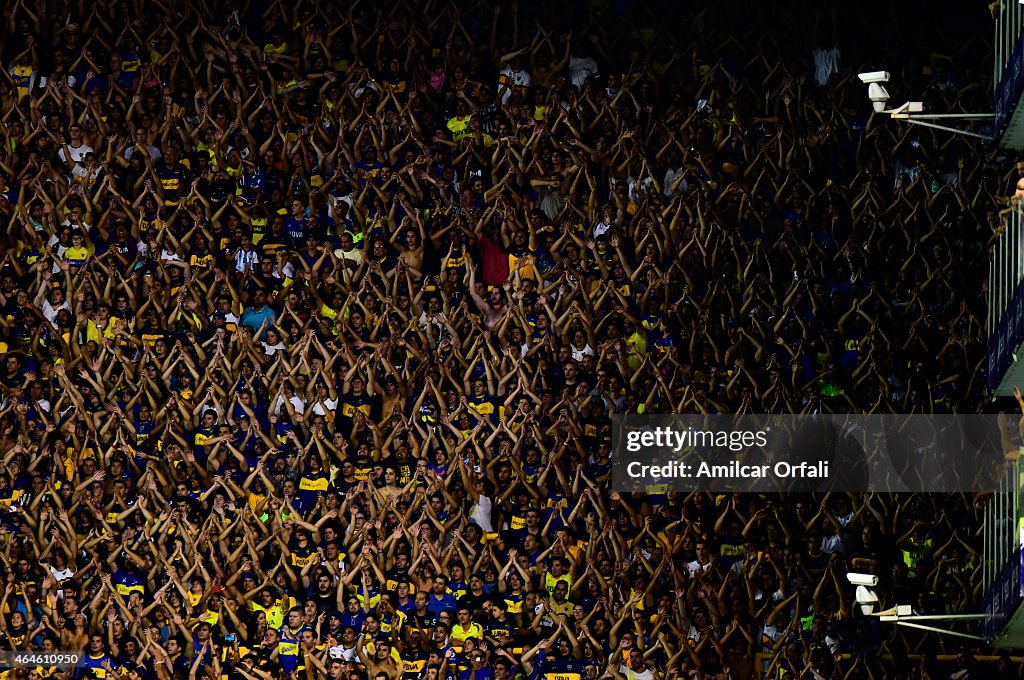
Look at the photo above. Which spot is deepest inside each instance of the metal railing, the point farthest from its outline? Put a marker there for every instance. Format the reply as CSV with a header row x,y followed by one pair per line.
x,y
1005,268
1001,550
1007,68
1005,322
1009,20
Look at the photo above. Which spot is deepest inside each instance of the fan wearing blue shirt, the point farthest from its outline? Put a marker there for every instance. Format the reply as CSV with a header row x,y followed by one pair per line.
x,y
259,313
440,598
95,659
295,226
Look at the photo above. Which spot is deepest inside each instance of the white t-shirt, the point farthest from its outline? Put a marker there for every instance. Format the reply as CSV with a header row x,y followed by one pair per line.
x,y
297,404
670,176
578,354
826,62
229,318
154,152
440,322
481,514
346,653
77,152
645,674
581,68
62,575
50,312
330,404
551,203
773,633
61,249
696,567
603,227
271,350
831,544
511,80
354,255
83,175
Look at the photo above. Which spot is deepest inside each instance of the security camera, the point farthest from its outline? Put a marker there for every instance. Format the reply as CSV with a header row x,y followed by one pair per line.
x,y
865,596
866,599
856,579
874,77
876,93
878,96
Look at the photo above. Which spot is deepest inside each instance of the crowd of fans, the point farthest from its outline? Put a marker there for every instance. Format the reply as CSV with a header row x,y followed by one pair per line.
x,y
314,316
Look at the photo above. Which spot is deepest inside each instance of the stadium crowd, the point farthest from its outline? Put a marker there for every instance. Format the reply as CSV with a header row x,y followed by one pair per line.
x,y
314,316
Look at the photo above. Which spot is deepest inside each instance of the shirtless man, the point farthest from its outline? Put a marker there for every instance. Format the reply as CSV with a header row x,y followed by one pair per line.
x,y
412,254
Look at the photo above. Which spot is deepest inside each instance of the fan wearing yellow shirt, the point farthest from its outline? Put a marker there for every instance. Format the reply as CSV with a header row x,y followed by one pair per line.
x,y
465,628
558,571
458,124
521,261
23,76
559,604
270,607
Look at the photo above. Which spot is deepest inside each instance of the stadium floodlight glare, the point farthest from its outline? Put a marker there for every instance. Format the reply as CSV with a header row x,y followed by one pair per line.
x,y
857,579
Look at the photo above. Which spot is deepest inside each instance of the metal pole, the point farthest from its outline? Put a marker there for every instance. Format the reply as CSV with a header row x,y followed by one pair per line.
x,y
998,260
990,319
1012,20
1002,273
984,549
995,55
948,129
928,116
1003,548
1004,43
1017,250
942,631
1000,513
1015,470
1012,264
1014,254
1000,534
1010,255
1002,33
998,55
933,617
1004,255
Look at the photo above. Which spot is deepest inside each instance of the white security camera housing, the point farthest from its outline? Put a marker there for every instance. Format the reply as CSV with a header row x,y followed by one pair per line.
x,y
867,599
874,77
865,596
878,96
856,579
877,93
